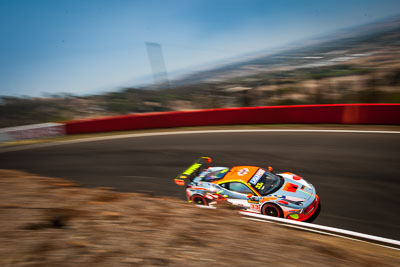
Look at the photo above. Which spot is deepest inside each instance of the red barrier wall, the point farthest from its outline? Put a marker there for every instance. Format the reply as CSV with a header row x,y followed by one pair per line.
x,y
307,114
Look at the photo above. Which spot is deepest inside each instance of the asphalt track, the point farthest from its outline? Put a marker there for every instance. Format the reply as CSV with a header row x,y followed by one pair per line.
x,y
356,175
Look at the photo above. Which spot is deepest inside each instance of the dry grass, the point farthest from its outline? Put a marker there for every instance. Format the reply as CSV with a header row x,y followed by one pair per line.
x,y
53,222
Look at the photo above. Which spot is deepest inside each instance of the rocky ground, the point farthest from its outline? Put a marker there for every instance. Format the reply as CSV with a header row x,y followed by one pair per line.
x,y
54,222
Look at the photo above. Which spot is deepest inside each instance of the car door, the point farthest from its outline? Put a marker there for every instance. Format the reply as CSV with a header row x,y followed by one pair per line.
x,y
237,193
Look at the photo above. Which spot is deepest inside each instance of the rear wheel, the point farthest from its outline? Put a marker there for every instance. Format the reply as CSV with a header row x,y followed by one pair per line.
x,y
199,200
271,210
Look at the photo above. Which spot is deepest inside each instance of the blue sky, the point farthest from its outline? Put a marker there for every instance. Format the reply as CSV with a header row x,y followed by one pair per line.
x,y
89,46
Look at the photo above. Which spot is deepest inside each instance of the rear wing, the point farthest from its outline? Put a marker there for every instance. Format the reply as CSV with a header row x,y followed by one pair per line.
x,y
191,171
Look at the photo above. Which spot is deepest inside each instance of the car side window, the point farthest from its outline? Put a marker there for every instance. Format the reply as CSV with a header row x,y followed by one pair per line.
x,y
240,188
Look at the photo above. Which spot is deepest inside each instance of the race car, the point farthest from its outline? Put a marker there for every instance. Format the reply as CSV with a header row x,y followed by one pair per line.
x,y
251,189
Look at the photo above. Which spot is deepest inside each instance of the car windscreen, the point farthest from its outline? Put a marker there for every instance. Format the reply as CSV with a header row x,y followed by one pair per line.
x,y
265,182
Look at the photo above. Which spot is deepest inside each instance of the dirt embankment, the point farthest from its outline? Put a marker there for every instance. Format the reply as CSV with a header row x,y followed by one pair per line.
x,y
53,222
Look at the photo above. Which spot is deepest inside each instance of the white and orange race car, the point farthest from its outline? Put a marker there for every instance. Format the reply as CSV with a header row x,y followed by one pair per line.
x,y
250,188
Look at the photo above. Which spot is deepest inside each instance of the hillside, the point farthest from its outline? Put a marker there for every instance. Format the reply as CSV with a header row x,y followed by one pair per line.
x,y
356,65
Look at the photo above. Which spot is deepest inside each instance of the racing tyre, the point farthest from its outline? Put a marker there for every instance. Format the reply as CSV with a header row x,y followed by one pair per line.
x,y
199,200
272,210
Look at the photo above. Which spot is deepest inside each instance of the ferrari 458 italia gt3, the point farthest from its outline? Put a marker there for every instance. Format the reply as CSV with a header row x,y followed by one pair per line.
x,y
250,188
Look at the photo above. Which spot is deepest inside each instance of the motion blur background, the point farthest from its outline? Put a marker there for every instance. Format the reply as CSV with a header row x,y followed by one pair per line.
x,y
64,60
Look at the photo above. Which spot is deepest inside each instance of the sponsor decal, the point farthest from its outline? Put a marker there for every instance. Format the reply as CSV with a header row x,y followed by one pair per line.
x,y
243,171
257,176
268,199
254,206
289,187
252,201
296,177
259,185
192,169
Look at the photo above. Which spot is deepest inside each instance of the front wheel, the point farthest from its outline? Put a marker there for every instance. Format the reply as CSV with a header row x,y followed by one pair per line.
x,y
271,210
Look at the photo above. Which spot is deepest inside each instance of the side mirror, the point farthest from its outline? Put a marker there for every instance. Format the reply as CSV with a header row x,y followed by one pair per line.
x,y
252,199
270,169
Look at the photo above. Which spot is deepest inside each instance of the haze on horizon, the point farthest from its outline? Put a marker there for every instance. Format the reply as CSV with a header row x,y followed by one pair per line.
x,y
84,47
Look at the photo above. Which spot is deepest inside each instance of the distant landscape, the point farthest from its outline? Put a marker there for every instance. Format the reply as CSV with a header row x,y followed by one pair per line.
x,y
357,65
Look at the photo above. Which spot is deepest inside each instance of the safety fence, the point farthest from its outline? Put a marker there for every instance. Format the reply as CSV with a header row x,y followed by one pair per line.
x,y
383,114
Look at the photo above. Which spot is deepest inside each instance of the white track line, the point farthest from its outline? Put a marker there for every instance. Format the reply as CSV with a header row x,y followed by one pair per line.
x,y
318,229
383,242
102,138
331,230
324,233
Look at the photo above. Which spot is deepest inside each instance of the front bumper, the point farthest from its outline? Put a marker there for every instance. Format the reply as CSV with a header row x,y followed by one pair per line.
x,y
307,212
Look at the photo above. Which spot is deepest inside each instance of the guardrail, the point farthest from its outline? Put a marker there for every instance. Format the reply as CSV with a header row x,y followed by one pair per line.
x,y
31,131
306,114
